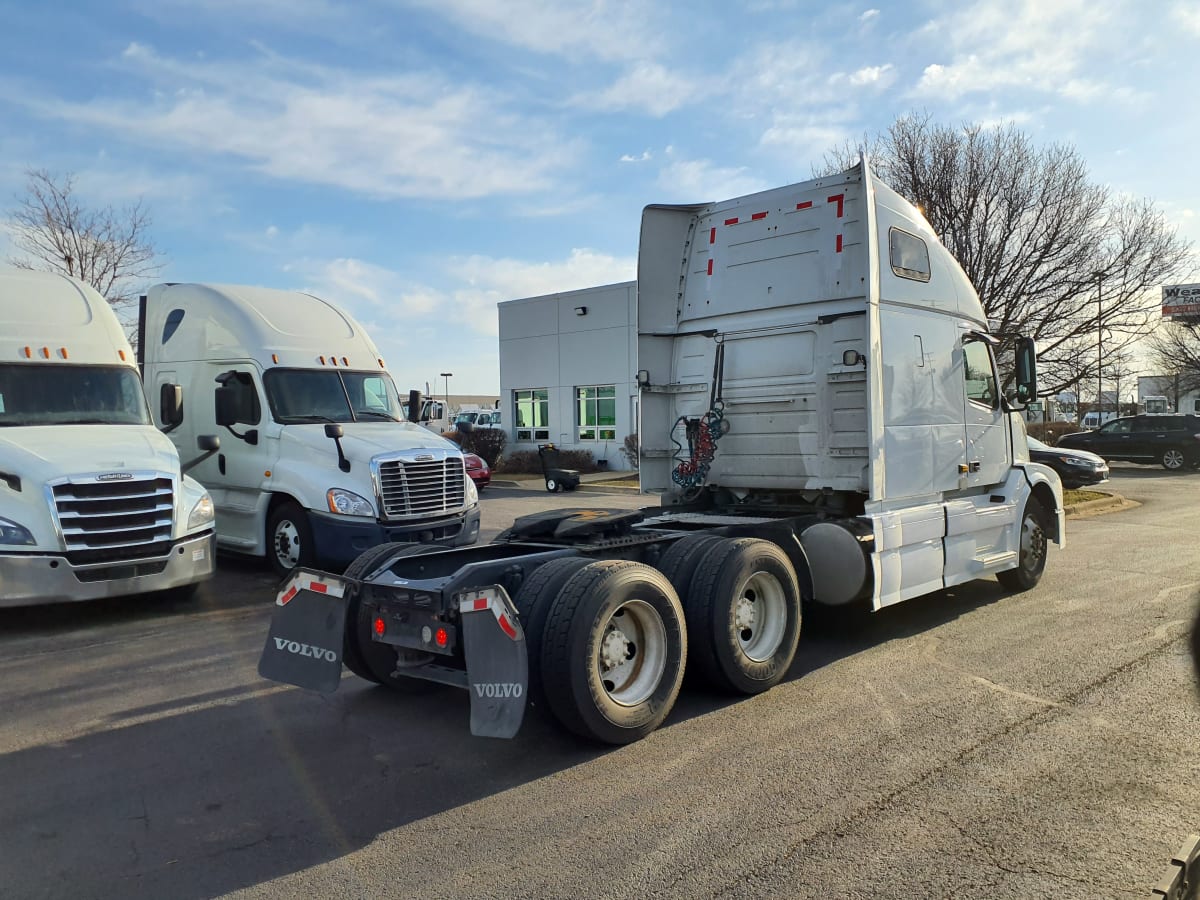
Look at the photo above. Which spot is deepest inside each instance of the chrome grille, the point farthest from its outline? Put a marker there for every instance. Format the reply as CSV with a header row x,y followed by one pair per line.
x,y
409,488
106,521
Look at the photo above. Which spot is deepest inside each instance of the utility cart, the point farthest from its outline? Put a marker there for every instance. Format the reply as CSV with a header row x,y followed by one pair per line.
x,y
557,478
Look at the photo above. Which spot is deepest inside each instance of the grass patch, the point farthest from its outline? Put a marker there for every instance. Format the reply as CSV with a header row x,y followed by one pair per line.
x,y
1077,496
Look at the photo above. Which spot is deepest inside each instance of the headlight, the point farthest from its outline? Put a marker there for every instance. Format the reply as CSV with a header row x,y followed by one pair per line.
x,y
1075,461
202,513
345,503
472,491
12,533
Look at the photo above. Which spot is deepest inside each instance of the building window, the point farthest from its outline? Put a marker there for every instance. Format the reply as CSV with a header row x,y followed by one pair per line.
x,y
532,414
596,411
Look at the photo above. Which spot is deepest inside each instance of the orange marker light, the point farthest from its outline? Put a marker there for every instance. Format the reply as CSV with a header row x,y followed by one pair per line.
x,y
275,358
45,352
381,363
121,353
344,363
63,351
28,353
322,360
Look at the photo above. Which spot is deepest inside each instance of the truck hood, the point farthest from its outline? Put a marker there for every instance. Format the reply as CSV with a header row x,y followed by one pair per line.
x,y
363,440
45,453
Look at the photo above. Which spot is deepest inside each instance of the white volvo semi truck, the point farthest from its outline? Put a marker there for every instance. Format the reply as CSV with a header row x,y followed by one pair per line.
x,y
823,416
318,462
93,501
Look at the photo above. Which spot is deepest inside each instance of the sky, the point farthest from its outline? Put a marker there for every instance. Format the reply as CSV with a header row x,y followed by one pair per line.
x,y
419,161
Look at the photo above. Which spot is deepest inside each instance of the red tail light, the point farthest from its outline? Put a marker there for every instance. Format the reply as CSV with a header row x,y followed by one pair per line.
x,y
440,637
380,626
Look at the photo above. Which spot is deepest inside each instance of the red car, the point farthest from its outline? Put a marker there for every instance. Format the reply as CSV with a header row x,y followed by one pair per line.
x,y
478,470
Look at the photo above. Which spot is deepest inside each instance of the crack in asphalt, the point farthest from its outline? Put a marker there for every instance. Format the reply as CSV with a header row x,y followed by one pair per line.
x,y
1039,716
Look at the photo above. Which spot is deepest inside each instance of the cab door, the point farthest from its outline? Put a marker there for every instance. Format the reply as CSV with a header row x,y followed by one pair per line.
x,y
988,459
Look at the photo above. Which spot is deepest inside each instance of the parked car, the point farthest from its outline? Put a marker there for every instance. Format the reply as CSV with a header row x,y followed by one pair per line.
x,y
1171,440
1076,468
477,469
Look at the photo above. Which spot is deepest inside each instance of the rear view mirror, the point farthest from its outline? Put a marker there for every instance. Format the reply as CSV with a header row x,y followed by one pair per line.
x,y
1026,371
170,406
227,406
333,430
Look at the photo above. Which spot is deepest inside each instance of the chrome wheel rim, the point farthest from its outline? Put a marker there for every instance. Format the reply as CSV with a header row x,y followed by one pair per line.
x,y
631,655
1173,459
1033,543
760,616
287,544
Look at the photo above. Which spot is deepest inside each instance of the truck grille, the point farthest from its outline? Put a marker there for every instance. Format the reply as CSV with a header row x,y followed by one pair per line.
x,y
111,521
409,488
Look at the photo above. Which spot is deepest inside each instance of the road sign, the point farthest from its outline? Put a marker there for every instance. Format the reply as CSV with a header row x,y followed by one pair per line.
x,y
1181,301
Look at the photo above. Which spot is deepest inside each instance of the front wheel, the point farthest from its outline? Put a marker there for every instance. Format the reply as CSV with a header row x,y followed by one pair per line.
x,y
613,651
1173,459
1031,561
552,485
289,539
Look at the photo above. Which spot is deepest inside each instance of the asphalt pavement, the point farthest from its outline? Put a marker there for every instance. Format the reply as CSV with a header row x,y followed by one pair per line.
x,y
973,743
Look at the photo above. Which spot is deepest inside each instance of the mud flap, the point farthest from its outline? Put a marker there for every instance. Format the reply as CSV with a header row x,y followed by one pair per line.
x,y
497,661
304,642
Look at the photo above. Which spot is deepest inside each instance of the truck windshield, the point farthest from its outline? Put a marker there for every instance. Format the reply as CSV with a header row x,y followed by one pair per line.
x,y
63,394
324,395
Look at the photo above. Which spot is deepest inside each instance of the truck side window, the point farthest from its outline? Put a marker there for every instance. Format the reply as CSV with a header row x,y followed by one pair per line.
x,y
909,255
977,369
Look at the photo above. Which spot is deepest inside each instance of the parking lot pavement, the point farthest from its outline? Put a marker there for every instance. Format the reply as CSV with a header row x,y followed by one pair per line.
x,y
973,743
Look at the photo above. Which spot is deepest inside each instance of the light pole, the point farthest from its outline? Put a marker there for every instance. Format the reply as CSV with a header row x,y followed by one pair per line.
x,y
447,375
1099,349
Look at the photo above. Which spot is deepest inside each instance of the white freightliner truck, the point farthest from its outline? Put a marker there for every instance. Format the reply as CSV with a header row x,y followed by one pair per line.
x,y
822,413
93,501
318,463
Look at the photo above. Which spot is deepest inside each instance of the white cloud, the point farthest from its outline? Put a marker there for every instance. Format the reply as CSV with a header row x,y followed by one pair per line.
x,y
700,180
878,77
1187,15
647,86
395,135
1027,45
629,158
607,30
869,15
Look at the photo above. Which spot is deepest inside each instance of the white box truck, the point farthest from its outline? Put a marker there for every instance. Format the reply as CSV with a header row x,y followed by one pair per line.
x,y
93,502
823,415
318,463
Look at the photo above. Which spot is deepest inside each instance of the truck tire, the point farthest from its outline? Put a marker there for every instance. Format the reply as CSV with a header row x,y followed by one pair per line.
x,y
682,558
552,485
533,601
743,615
613,651
1031,559
289,538
361,655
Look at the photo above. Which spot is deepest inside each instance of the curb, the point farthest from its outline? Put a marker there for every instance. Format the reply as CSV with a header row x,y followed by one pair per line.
x,y
1111,502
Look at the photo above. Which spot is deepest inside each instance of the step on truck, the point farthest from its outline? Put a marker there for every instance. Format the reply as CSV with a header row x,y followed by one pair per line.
x,y
824,419
93,499
319,462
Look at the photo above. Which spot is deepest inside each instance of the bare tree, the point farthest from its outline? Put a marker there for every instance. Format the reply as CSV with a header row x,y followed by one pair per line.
x,y
1175,352
108,248
1053,255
